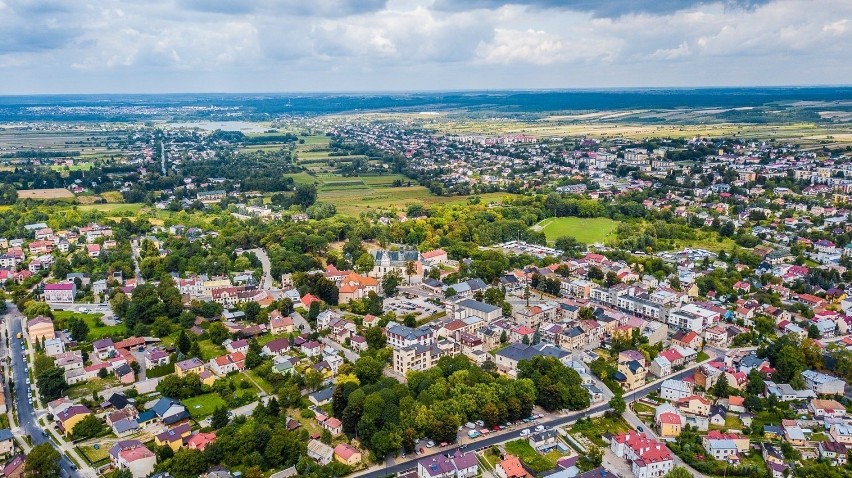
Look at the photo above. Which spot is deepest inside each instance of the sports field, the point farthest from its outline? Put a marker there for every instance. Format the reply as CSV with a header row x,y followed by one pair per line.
x,y
588,230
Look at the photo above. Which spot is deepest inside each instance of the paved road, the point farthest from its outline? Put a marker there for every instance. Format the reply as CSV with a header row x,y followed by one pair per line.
x,y
349,354
134,252
27,417
266,280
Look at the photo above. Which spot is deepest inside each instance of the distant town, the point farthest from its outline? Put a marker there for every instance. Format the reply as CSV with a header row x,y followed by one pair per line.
x,y
424,296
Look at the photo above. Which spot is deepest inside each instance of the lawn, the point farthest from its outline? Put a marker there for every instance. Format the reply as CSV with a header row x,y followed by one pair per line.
x,y
587,230
595,428
536,462
61,317
203,405
85,389
210,350
260,381
93,456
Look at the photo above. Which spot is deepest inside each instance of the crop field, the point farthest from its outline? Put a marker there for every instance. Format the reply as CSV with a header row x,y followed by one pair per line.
x,y
54,193
114,208
588,230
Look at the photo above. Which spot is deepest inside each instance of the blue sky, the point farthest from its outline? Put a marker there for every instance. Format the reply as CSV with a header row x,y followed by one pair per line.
x,y
115,46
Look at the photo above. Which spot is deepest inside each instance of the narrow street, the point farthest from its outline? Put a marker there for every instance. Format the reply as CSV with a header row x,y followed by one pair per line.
x,y
28,425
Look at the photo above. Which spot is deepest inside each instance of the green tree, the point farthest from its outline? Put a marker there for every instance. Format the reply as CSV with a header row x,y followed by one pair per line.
x,y
219,418
678,472
182,342
78,328
52,384
34,309
720,388
42,462
410,270
376,339
618,404
305,195
369,369
88,427
218,333
364,263
185,464
252,311
390,282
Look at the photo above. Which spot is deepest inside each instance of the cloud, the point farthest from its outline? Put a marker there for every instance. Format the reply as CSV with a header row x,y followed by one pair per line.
x,y
273,45
600,8
541,48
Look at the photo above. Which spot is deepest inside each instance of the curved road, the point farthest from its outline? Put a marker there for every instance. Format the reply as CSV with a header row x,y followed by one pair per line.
x,y
27,420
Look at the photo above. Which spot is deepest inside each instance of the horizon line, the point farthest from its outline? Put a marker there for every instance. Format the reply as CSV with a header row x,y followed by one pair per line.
x,y
448,90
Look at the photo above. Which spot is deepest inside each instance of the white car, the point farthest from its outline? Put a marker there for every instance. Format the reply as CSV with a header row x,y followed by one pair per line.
x,y
525,432
430,444
539,428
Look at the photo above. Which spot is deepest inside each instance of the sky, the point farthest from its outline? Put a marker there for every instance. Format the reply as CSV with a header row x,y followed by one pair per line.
x,y
161,46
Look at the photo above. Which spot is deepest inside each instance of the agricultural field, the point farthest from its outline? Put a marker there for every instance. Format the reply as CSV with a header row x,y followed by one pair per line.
x,y
54,193
587,230
355,195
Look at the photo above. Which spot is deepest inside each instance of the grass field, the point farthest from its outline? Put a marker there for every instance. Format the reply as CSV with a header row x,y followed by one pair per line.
x,y
203,405
55,193
95,332
588,230
536,462
116,209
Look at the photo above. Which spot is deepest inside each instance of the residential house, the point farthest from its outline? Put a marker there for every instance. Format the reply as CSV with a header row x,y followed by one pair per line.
x,y
225,364
193,365
132,455
174,437
200,441
648,457
823,384
347,454
674,390
320,452
510,467
70,417
630,375
169,411
826,408
7,442
457,465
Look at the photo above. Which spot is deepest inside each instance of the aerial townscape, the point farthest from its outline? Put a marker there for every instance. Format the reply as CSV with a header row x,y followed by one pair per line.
x,y
456,268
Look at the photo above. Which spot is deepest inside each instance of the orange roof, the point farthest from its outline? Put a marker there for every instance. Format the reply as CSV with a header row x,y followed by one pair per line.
x,y
735,400
512,467
435,253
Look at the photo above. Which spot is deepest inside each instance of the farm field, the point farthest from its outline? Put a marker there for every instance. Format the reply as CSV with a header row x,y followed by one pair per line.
x,y
353,196
117,209
54,193
588,230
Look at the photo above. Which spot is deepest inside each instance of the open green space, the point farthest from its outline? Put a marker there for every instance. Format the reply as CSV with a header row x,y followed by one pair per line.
x,y
113,208
527,454
97,329
588,230
594,429
203,405
95,457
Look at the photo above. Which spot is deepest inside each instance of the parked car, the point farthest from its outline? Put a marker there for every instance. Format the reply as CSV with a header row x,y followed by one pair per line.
x,y
525,432
470,425
473,434
430,444
539,428
480,423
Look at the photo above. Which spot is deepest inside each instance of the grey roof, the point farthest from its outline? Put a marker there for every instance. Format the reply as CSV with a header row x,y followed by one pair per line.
x,y
479,306
6,434
520,352
323,395
124,425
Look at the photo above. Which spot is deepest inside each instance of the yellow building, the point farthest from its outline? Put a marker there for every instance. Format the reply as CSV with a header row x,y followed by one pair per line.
x,y
174,438
193,365
347,455
71,416
631,375
40,328
670,424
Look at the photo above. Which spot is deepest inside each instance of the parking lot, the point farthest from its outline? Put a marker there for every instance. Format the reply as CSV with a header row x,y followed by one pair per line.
x,y
417,305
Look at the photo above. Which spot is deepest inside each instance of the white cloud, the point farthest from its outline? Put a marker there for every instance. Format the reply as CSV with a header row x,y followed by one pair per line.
x,y
51,45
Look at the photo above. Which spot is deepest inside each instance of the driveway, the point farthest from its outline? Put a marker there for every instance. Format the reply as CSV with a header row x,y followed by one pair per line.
x,y
349,354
